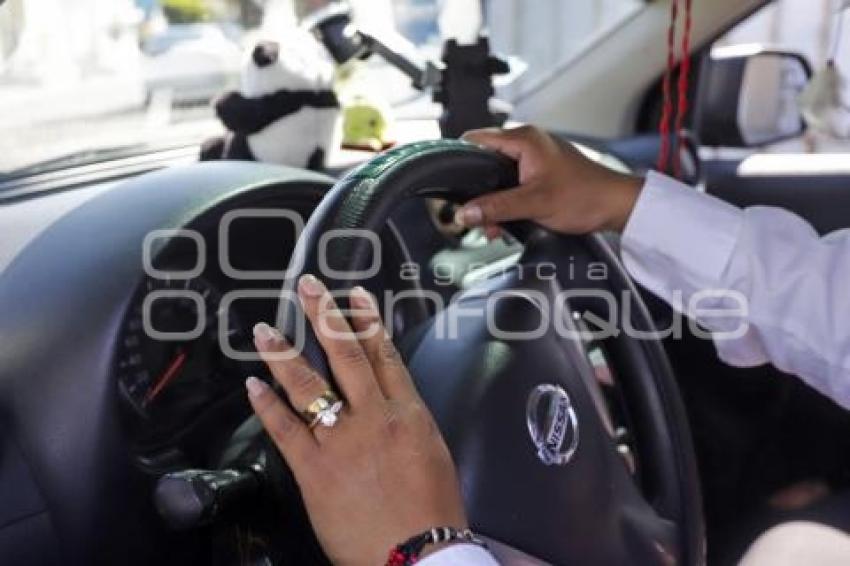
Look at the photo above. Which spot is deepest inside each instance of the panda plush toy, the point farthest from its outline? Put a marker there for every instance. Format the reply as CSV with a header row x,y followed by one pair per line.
x,y
286,111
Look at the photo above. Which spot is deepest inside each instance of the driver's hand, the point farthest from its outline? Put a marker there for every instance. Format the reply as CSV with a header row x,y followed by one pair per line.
x,y
382,474
560,188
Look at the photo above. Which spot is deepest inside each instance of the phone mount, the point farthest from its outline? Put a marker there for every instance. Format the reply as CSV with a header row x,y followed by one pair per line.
x,y
462,82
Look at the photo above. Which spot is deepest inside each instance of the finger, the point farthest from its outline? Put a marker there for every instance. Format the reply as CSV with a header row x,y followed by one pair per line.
x,y
346,356
520,203
302,383
393,378
287,431
513,142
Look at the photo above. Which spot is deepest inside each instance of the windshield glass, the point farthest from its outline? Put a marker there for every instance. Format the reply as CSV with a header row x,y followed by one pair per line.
x,y
94,79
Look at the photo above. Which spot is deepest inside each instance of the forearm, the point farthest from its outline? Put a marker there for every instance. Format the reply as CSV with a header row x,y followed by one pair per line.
x,y
783,289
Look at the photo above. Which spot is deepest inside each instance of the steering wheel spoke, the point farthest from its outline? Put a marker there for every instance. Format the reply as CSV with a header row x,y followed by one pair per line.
x,y
507,376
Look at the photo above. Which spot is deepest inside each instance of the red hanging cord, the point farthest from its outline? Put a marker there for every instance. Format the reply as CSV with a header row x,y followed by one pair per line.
x,y
667,88
684,83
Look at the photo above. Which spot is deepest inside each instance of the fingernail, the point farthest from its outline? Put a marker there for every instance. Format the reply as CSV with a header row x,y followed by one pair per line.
x,y
255,387
265,333
469,215
361,298
310,286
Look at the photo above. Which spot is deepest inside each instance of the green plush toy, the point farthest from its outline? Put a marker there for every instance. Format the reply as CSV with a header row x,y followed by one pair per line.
x,y
366,125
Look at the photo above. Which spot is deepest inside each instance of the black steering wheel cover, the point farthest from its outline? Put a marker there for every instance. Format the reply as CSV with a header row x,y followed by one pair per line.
x,y
459,171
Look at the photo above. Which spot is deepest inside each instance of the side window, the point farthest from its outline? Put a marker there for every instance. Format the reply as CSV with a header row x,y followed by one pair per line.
x,y
812,30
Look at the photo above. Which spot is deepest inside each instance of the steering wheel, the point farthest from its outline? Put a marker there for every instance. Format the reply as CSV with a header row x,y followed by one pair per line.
x,y
506,372
514,397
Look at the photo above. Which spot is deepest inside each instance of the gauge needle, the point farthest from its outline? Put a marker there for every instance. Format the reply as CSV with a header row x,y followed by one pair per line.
x,y
167,376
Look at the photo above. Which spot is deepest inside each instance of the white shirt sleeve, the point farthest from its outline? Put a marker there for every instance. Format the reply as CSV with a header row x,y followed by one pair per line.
x,y
459,555
761,279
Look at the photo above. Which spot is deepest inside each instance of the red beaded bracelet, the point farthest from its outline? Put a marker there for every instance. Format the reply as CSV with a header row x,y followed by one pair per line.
x,y
408,552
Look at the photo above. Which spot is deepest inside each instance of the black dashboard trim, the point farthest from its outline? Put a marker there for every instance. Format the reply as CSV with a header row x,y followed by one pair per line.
x,y
22,187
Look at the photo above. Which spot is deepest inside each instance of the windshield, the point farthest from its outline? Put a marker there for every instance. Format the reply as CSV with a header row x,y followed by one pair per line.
x,y
94,79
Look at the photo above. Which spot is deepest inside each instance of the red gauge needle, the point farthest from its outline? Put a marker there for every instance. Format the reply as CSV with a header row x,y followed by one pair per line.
x,y
167,376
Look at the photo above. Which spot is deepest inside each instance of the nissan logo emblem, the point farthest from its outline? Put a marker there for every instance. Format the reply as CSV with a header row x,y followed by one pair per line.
x,y
552,424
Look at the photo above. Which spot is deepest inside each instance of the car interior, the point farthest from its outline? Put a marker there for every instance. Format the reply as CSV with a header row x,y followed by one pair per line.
x,y
132,272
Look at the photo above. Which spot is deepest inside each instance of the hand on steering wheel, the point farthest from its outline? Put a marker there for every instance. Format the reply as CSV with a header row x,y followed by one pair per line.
x,y
382,473
559,188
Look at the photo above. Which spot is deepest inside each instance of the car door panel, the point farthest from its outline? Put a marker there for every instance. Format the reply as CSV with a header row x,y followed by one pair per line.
x,y
822,199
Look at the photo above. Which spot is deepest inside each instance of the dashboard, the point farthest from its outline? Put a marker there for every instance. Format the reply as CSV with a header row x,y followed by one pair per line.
x,y
116,303
126,311
92,409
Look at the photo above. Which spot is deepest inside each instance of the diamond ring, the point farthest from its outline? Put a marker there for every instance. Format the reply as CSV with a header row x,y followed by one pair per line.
x,y
324,410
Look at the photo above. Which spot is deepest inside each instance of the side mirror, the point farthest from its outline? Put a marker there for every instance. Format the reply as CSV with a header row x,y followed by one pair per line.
x,y
749,97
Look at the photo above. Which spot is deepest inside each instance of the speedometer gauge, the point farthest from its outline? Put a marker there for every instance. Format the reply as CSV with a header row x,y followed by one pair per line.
x,y
170,365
